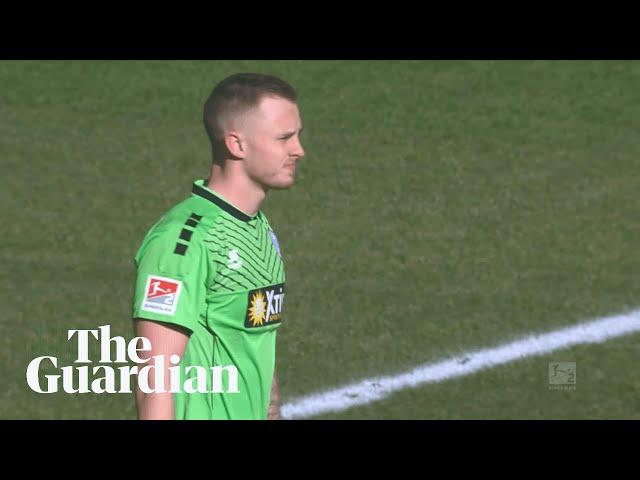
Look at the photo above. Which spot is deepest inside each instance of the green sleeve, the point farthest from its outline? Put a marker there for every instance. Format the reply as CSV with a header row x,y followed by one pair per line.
x,y
171,287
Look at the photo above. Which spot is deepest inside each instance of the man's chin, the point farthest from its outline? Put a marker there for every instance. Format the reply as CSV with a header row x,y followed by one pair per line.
x,y
283,184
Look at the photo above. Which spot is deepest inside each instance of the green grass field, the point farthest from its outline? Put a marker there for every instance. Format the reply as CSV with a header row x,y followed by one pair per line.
x,y
442,206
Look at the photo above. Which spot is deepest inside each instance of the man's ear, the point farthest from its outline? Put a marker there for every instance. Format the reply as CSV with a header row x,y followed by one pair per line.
x,y
234,143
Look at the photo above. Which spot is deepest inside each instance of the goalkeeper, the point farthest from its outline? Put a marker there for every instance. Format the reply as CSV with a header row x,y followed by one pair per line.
x,y
210,278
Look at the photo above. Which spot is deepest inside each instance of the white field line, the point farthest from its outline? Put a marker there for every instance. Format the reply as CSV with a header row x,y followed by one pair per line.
x,y
377,388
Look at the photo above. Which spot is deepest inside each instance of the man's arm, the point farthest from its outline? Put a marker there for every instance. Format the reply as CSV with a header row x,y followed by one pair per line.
x,y
165,340
274,404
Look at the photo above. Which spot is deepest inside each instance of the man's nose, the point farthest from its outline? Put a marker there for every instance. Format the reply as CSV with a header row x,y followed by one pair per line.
x,y
298,150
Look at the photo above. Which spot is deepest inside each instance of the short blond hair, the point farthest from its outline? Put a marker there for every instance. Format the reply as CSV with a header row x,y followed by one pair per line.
x,y
236,95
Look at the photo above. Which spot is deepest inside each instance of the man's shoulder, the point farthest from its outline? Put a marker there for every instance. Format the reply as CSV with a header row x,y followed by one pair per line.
x,y
182,226
190,213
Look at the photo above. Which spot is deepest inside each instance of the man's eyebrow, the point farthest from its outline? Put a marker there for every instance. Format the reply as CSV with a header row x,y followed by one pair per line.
x,y
291,133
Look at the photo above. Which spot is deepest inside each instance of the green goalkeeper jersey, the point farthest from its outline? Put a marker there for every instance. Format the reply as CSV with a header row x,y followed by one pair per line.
x,y
218,272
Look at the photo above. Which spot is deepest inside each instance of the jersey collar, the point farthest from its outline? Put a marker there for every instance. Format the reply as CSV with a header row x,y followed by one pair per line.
x,y
201,190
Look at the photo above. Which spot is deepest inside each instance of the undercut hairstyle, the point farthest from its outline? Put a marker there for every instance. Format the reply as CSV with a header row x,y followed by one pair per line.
x,y
236,95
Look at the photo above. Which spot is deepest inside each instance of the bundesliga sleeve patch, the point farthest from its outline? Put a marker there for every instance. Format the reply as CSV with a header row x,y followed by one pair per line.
x,y
161,295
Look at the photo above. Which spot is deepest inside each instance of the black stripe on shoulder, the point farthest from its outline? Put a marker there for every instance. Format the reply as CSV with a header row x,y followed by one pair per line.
x,y
186,234
181,249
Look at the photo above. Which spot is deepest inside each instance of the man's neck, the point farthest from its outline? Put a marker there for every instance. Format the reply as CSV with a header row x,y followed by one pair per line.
x,y
237,189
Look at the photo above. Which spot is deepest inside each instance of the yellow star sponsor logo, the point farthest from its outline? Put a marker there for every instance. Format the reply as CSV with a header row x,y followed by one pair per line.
x,y
264,306
257,309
